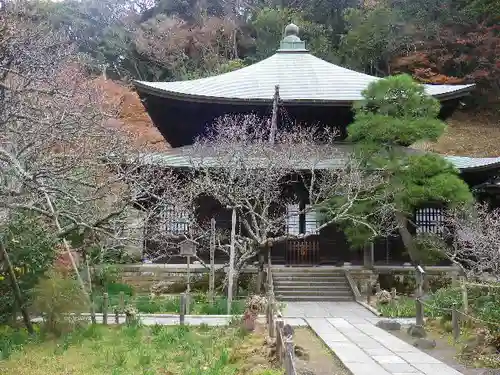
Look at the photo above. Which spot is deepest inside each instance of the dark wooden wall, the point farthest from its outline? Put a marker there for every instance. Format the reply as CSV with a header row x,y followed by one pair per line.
x,y
180,122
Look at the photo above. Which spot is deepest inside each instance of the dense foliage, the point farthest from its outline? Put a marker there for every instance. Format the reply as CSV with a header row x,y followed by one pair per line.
x,y
483,304
32,251
449,41
396,113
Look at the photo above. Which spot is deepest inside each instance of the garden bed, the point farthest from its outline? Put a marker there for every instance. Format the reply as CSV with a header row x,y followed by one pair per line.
x,y
446,350
154,350
159,350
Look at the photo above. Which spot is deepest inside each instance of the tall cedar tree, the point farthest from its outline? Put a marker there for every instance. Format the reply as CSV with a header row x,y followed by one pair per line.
x,y
394,114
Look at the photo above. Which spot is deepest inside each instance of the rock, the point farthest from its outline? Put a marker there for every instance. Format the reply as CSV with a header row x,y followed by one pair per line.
x,y
305,371
416,331
424,343
383,297
301,353
270,341
491,371
389,325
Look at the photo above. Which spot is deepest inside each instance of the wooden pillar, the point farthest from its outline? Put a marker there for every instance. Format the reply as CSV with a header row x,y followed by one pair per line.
x,y
368,256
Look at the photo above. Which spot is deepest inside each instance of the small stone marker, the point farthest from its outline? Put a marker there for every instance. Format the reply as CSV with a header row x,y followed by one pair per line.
x,y
389,325
424,343
416,331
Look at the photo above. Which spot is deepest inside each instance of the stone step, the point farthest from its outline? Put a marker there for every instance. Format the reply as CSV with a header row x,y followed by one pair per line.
x,y
322,287
308,277
302,280
307,272
311,298
310,273
340,292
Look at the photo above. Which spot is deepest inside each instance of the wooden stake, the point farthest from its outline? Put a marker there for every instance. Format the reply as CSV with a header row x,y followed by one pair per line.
x,y
211,285
188,289
231,262
91,297
105,303
465,297
15,288
418,304
455,323
182,312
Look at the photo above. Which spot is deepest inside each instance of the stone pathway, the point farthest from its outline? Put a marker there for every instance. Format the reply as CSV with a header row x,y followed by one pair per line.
x,y
349,330
368,350
352,310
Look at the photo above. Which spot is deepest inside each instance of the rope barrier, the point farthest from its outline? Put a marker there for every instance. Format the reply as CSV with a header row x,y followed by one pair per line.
x,y
445,309
493,286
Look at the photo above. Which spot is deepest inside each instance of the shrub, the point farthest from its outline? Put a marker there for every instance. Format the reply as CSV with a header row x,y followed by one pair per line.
x,y
12,339
116,288
32,251
105,274
442,300
55,297
404,307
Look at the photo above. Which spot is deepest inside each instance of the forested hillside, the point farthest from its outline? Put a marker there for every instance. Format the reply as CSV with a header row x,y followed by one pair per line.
x,y
437,41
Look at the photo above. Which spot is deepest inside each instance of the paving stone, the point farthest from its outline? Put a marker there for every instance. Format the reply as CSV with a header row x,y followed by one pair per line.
x,y
418,358
436,368
377,351
388,359
365,369
399,367
334,337
348,352
368,344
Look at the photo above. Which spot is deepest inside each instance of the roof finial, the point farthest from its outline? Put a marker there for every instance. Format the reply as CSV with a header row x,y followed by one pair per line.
x,y
291,41
292,29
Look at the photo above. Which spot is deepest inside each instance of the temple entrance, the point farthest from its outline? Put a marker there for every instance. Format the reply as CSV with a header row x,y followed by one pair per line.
x,y
302,253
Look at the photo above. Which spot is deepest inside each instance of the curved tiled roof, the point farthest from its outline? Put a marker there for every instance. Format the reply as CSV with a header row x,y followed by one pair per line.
x,y
301,77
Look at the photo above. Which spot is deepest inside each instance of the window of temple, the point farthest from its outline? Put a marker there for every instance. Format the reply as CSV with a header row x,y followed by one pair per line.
x,y
175,220
429,220
301,223
292,219
312,221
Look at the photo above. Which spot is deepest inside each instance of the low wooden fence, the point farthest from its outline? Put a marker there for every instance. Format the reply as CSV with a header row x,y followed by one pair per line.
x,y
121,310
281,332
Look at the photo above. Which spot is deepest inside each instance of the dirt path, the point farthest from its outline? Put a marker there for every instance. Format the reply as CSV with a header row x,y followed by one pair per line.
x,y
320,360
444,351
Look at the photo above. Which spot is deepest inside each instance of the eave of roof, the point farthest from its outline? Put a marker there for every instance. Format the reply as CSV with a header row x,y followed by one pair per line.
x,y
183,158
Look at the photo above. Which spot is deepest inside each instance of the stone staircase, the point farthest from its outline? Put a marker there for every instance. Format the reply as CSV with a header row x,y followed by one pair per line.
x,y
311,284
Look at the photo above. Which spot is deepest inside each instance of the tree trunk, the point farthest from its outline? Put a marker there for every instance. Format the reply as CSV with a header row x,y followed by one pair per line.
x,y
4,256
407,238
232,254
89,281
211,284
260,275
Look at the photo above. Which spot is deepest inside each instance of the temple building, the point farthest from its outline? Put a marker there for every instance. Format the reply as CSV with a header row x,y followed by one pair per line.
x,y
311,91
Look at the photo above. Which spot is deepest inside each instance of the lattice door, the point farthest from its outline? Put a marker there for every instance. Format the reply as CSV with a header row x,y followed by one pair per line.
x,y
302,252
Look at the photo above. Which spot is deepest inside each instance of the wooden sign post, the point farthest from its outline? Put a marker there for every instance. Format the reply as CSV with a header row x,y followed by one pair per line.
x,y
188,249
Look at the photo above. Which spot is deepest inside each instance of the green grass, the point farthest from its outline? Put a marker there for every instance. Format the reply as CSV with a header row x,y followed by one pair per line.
x,y
134,350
